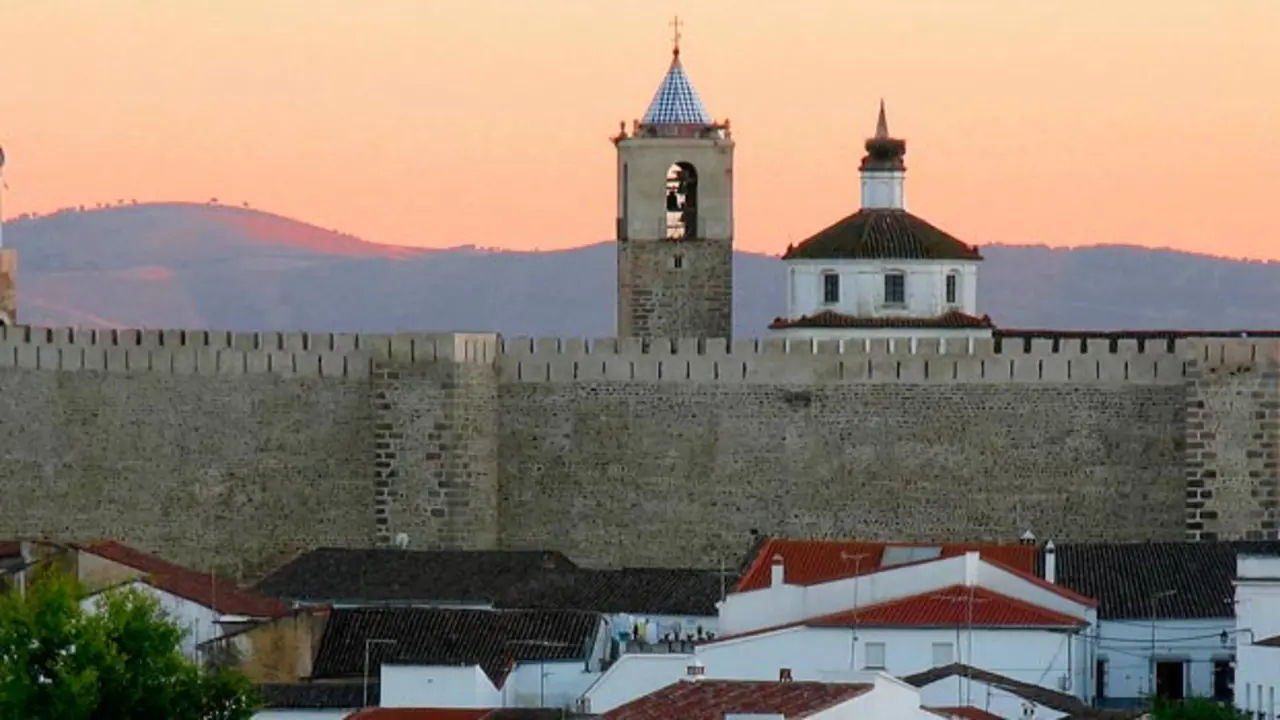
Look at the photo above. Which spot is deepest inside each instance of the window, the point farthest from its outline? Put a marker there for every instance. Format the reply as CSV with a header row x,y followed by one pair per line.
x,y
953,283
1224,680
874,656
942,654
895,289
830,288
677,261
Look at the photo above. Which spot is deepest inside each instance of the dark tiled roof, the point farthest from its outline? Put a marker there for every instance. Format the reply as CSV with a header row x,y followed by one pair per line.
x,y
504,579
830,319
1123,577
882,234
202,588
318,695
1040,695
353,576
491,639
713,699
637,591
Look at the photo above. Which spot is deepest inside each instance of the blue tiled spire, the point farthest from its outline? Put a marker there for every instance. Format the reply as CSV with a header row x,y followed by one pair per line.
x,y
676,102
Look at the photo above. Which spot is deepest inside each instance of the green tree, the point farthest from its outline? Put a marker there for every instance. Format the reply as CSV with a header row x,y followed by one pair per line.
x,y
122,660
1195,709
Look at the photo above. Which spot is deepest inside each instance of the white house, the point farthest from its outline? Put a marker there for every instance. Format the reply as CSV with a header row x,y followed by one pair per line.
x,y
882,272
203,605
911,617
901,619
1257,636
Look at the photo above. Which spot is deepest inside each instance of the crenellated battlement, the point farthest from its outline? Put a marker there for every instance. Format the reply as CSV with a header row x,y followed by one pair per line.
x,y
1083,359
794,361
208,352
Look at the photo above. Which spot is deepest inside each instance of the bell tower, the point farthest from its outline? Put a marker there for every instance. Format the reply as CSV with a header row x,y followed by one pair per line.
x,y
675,216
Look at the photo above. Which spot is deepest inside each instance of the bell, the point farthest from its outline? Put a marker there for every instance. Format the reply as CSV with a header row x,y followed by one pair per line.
x,y
673,201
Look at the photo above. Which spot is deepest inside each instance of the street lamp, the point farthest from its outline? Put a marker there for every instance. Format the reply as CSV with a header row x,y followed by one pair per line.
x,y
368,645
1154,597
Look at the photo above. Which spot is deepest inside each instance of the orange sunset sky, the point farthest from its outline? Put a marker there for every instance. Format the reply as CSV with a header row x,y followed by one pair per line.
x,y
424,122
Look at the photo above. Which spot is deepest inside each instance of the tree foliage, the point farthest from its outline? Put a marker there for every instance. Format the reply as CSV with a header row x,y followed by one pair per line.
x,y
1195,709
121,660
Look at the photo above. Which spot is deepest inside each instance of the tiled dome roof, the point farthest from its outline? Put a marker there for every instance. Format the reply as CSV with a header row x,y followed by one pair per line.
x,y
676,102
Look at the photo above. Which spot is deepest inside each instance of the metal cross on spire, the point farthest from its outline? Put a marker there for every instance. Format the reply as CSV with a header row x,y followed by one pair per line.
x,y
675,35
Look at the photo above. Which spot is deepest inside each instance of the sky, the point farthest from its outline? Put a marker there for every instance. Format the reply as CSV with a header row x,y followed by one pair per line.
x,y
487,122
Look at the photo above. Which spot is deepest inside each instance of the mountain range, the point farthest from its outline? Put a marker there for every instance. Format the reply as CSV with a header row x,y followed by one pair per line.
x,y
179,265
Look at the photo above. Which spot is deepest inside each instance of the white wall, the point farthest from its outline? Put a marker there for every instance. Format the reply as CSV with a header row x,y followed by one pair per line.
x,y
550,684
1257,602
1126,647
308,714
958,692
1039,657
197,621
408,686
862,287
634,676
890,699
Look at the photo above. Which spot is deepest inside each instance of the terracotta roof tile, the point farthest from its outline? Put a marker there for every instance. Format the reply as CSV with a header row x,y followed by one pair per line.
x,y
831,319
882,233
810,562
712,699
967,713
1273,641
205,589
951,607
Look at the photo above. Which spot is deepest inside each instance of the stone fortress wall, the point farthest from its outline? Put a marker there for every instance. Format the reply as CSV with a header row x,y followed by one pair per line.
x,y
234,450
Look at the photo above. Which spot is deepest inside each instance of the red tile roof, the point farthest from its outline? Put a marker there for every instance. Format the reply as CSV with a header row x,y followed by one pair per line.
x,y
205,589
712,699
968,713
831,319
950,607
10,548
810,562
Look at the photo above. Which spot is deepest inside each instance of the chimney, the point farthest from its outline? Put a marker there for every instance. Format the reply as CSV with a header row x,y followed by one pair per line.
x,y
777,579
696,671
784,675
1028,538
1050,562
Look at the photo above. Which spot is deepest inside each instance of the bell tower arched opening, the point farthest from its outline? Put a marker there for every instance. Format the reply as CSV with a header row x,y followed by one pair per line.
x,y
682,202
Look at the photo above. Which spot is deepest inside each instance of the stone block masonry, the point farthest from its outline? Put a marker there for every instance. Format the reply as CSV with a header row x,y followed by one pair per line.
x,y
235,450
1232,463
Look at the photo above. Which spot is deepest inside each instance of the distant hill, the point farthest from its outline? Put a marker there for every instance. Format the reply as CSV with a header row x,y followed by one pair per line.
x,y
209,266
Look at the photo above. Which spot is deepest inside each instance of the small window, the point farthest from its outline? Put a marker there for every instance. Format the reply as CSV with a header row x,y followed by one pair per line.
x,y
953,282
830,288
895,289
943,654
874,655
677,261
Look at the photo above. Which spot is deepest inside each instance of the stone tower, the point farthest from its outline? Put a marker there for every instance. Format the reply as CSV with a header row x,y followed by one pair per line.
x,y
675,217
8,266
